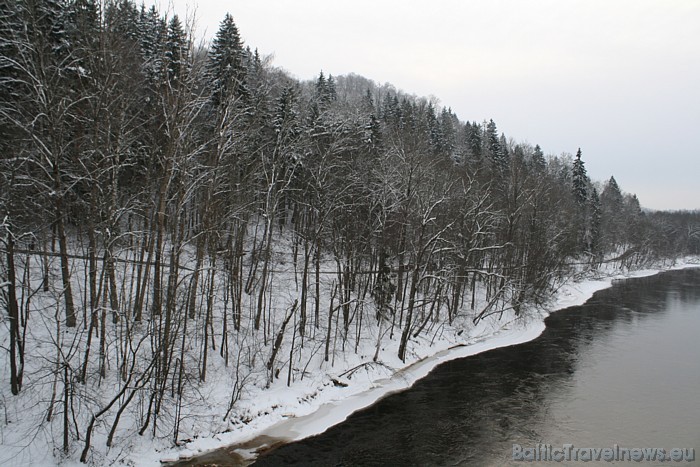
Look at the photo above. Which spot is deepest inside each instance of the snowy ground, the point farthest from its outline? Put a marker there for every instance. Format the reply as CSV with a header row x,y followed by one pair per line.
x,y
311,406
321,397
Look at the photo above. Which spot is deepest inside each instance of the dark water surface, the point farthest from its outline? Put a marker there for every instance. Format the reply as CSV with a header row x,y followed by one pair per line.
x,y
624,368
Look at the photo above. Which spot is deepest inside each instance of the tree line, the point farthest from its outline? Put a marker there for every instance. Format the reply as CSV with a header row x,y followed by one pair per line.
x,y
167,204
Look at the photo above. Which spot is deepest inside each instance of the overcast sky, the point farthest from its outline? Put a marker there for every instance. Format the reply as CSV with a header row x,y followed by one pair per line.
x,y
618,78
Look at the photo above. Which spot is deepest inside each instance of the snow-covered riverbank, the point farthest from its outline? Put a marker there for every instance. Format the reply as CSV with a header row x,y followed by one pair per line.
x,y
320,394
313,405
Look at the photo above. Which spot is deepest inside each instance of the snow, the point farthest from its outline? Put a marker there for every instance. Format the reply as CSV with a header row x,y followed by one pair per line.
x,y
316,400
332,405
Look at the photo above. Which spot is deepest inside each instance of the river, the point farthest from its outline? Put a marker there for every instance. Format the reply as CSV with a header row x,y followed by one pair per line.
x,y
623,369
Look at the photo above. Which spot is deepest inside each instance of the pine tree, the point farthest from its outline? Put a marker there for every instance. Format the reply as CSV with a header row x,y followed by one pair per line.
x,y
633,220
474,141
331,92
373,135
434,131
580,180
124,19
326,92
176,50
255,79
538,162
504,156
320,86
391,112
152,31
611,205
285,121
448,125
226,69
494,147
81,21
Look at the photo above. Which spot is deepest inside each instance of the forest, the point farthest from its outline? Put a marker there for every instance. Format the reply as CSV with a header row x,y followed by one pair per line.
x,y
172,210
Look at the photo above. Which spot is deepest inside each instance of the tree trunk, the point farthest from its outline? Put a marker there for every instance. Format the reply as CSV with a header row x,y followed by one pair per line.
x,y
13,311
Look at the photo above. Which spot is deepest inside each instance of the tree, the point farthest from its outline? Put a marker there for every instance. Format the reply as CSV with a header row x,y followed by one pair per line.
x,y
580,180
580,190
494,148
226,69
538,162
176,50
611,215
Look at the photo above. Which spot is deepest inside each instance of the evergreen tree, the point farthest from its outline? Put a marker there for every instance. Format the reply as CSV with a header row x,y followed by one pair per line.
x,y
285,121
176,50
538,162
504,156
495,148
611,206
326,92
226,68
391,112
320,86
634,221
256,72
448,128
473,141
434,130
81,21
612,195
373,135
152,31
124,19
331,92
580,180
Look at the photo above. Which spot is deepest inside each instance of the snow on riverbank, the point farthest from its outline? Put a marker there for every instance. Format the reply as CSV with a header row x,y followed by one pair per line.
x,y
321,393
315,404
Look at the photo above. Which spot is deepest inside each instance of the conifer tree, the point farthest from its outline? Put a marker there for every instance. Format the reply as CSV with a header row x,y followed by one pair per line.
x,y
580,180
226,69
473,141
538,162
494,147
176,50
152,31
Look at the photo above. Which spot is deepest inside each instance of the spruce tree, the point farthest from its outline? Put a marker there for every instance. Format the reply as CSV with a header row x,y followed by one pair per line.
x,y
325,91
331,92
176,50
474,141
285,121
611,205
373,135
495,147
152,31
580,180
538,162
226,69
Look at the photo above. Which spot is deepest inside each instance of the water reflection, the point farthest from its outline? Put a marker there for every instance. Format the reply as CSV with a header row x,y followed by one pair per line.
x,y
622,369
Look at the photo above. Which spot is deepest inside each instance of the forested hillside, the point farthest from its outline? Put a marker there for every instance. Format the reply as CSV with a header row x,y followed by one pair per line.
x,y
167,209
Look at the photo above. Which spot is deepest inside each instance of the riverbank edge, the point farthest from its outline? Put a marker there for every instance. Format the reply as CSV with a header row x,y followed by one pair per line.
x,y
326,414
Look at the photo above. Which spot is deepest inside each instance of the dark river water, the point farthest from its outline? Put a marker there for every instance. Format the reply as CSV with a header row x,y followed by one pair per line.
x,y
622,369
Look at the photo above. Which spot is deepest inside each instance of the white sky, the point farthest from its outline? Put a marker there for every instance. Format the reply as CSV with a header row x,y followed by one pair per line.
x,y
618,78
